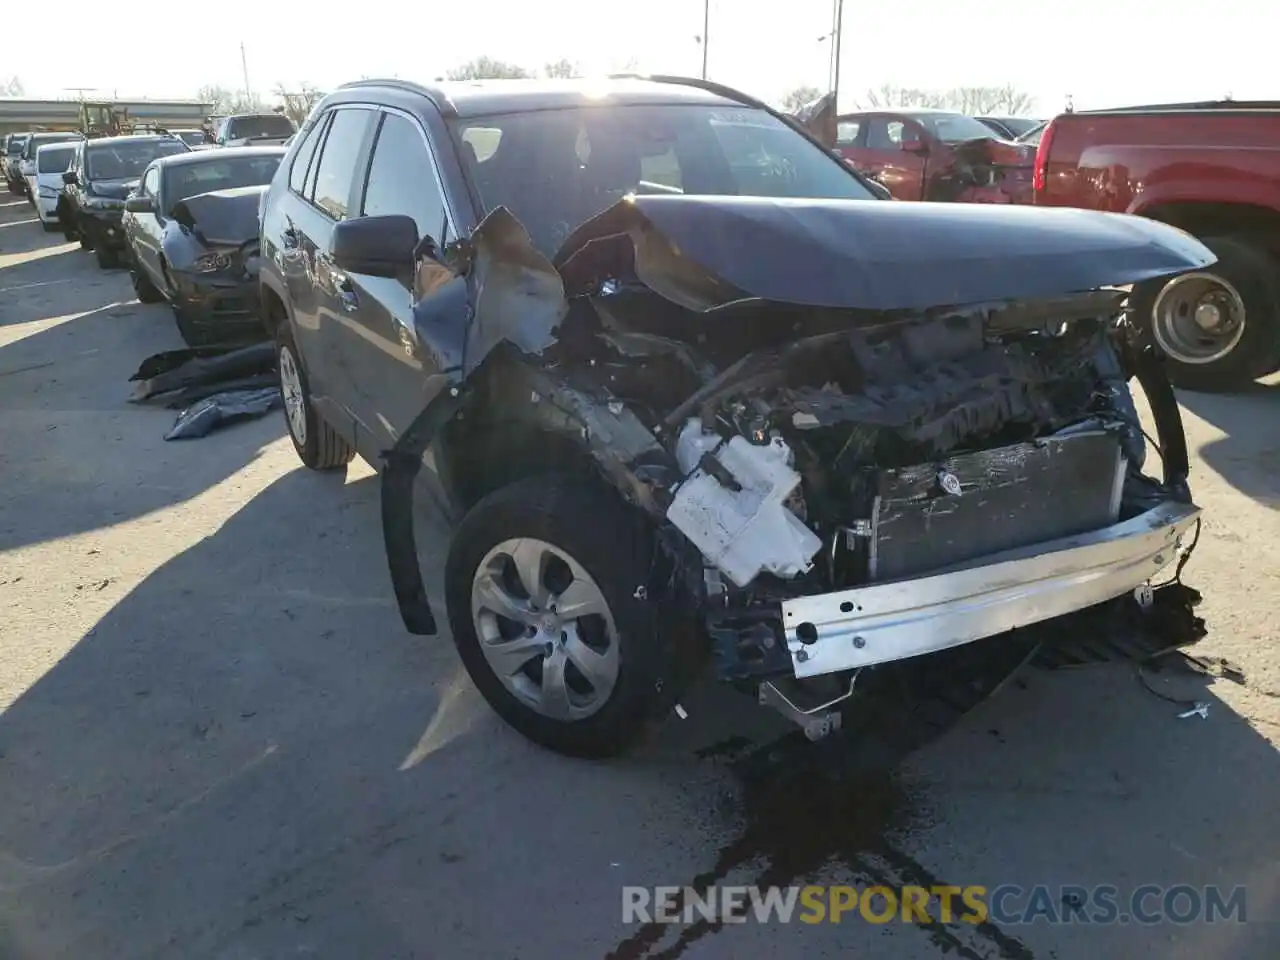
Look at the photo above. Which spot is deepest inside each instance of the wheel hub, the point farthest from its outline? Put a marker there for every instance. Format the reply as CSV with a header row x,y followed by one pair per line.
x,y
1198,318
545,628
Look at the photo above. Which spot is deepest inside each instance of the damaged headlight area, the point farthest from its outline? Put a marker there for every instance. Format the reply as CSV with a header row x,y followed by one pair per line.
x,y
838,486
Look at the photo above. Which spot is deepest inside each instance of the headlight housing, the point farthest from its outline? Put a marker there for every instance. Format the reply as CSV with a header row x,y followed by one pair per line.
x,y
211,262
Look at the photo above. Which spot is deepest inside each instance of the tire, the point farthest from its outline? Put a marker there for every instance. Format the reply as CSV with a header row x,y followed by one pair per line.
x,y
68,226
144,289
107,257
85,236
50,226
1246,275
614,547
12,187
321,447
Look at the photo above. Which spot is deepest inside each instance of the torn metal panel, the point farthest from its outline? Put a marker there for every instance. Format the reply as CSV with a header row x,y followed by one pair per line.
x,y
516,294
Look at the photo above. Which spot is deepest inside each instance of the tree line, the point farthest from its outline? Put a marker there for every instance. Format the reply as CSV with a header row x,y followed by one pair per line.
x,y
1006,100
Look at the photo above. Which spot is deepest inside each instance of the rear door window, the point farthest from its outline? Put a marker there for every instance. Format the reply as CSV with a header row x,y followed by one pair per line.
x,y
336,171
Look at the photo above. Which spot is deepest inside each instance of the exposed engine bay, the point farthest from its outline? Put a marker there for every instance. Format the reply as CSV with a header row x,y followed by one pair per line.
x,y
840,480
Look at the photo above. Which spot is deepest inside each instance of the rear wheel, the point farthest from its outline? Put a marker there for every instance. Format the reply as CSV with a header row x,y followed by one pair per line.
x,y
318,445
1219,327
143,288
107,257
50,226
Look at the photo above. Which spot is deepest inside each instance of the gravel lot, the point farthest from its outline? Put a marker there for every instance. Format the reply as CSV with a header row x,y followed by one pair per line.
x,y
217,740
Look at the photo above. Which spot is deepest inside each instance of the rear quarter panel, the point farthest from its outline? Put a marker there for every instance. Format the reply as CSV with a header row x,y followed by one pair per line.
x,y
1129,163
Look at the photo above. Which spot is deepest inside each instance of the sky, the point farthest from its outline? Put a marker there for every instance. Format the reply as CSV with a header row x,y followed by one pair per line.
x,y
1100,52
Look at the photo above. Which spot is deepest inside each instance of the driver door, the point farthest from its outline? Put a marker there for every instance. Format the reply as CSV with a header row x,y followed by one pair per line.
x,y
143,230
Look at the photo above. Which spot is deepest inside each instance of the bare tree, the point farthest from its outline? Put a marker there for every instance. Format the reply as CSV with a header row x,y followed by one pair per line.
x,y
799,97
12,87
1006,99
562,69
224,101
487,68
297,104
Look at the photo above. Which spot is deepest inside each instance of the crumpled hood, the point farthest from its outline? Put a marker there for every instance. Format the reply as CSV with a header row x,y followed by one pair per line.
x,y
705,252
113,189
221,217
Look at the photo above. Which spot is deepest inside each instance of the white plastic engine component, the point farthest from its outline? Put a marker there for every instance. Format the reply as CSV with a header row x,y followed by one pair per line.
x,y
743,532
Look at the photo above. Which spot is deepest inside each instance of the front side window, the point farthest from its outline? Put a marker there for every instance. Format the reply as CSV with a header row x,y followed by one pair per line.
x,y
220,172
127,160
336,169
955,127
399,149
847,132
554,169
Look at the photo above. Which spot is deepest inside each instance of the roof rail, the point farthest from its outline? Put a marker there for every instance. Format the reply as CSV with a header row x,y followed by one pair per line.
x,y
437,97
729,93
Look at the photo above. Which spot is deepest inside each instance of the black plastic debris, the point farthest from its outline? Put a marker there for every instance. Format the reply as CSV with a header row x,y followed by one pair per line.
x,y
218,410
176,370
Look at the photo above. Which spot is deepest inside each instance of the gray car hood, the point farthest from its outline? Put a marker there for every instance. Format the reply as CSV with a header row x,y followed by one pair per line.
x,y
872,255
710,253
222,217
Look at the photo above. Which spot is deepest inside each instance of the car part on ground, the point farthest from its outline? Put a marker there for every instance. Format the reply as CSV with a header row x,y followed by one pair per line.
x,y
223,408
883,476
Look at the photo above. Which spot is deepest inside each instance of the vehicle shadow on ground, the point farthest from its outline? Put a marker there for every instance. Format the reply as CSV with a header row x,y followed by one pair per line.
x,y
1248,456
65,391
249,756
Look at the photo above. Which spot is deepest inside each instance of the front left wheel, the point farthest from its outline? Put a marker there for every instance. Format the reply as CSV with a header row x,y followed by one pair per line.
x,y
546,585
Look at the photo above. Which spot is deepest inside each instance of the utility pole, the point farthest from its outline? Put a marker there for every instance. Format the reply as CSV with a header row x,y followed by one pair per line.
x,y
706,25
244,65
838,17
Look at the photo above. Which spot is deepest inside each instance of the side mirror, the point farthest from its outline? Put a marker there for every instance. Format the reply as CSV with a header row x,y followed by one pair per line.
x,y
70,178
377,246
918,147
140,204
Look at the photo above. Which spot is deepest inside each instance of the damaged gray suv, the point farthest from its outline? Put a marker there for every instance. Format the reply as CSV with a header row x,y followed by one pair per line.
x,y
695,397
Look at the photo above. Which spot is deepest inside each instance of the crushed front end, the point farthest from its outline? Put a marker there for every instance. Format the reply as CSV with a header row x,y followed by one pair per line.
x,y
846,469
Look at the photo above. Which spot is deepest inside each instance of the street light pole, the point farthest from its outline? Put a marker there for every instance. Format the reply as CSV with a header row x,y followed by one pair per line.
x,y
244,66
835,56
706,25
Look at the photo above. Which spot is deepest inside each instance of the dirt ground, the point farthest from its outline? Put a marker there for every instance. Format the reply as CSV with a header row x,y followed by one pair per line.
x,y
217,740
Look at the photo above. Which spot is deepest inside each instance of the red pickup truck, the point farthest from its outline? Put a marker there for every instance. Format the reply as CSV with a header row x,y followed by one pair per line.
x,y
1212,169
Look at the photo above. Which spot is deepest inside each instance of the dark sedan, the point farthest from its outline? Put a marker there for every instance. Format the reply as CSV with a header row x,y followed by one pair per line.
x,y
192,235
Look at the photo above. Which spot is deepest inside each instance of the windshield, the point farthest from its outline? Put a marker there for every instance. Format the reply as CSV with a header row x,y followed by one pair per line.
x,y
954,127
192,138
1019,125
125,161
185,180
40,139
553,169
15,146
1032,136
270,126
54,159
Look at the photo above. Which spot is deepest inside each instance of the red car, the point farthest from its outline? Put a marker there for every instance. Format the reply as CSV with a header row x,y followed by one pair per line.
x,y
1212,169
935,155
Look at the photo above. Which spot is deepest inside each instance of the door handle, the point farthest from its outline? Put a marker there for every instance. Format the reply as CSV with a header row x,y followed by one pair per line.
x,y
347,294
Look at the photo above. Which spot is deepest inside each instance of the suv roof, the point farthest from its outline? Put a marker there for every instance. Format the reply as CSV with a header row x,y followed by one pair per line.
x,y
477,98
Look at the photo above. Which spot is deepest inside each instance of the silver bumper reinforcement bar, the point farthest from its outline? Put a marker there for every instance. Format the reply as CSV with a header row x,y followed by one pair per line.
x,y
906,618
